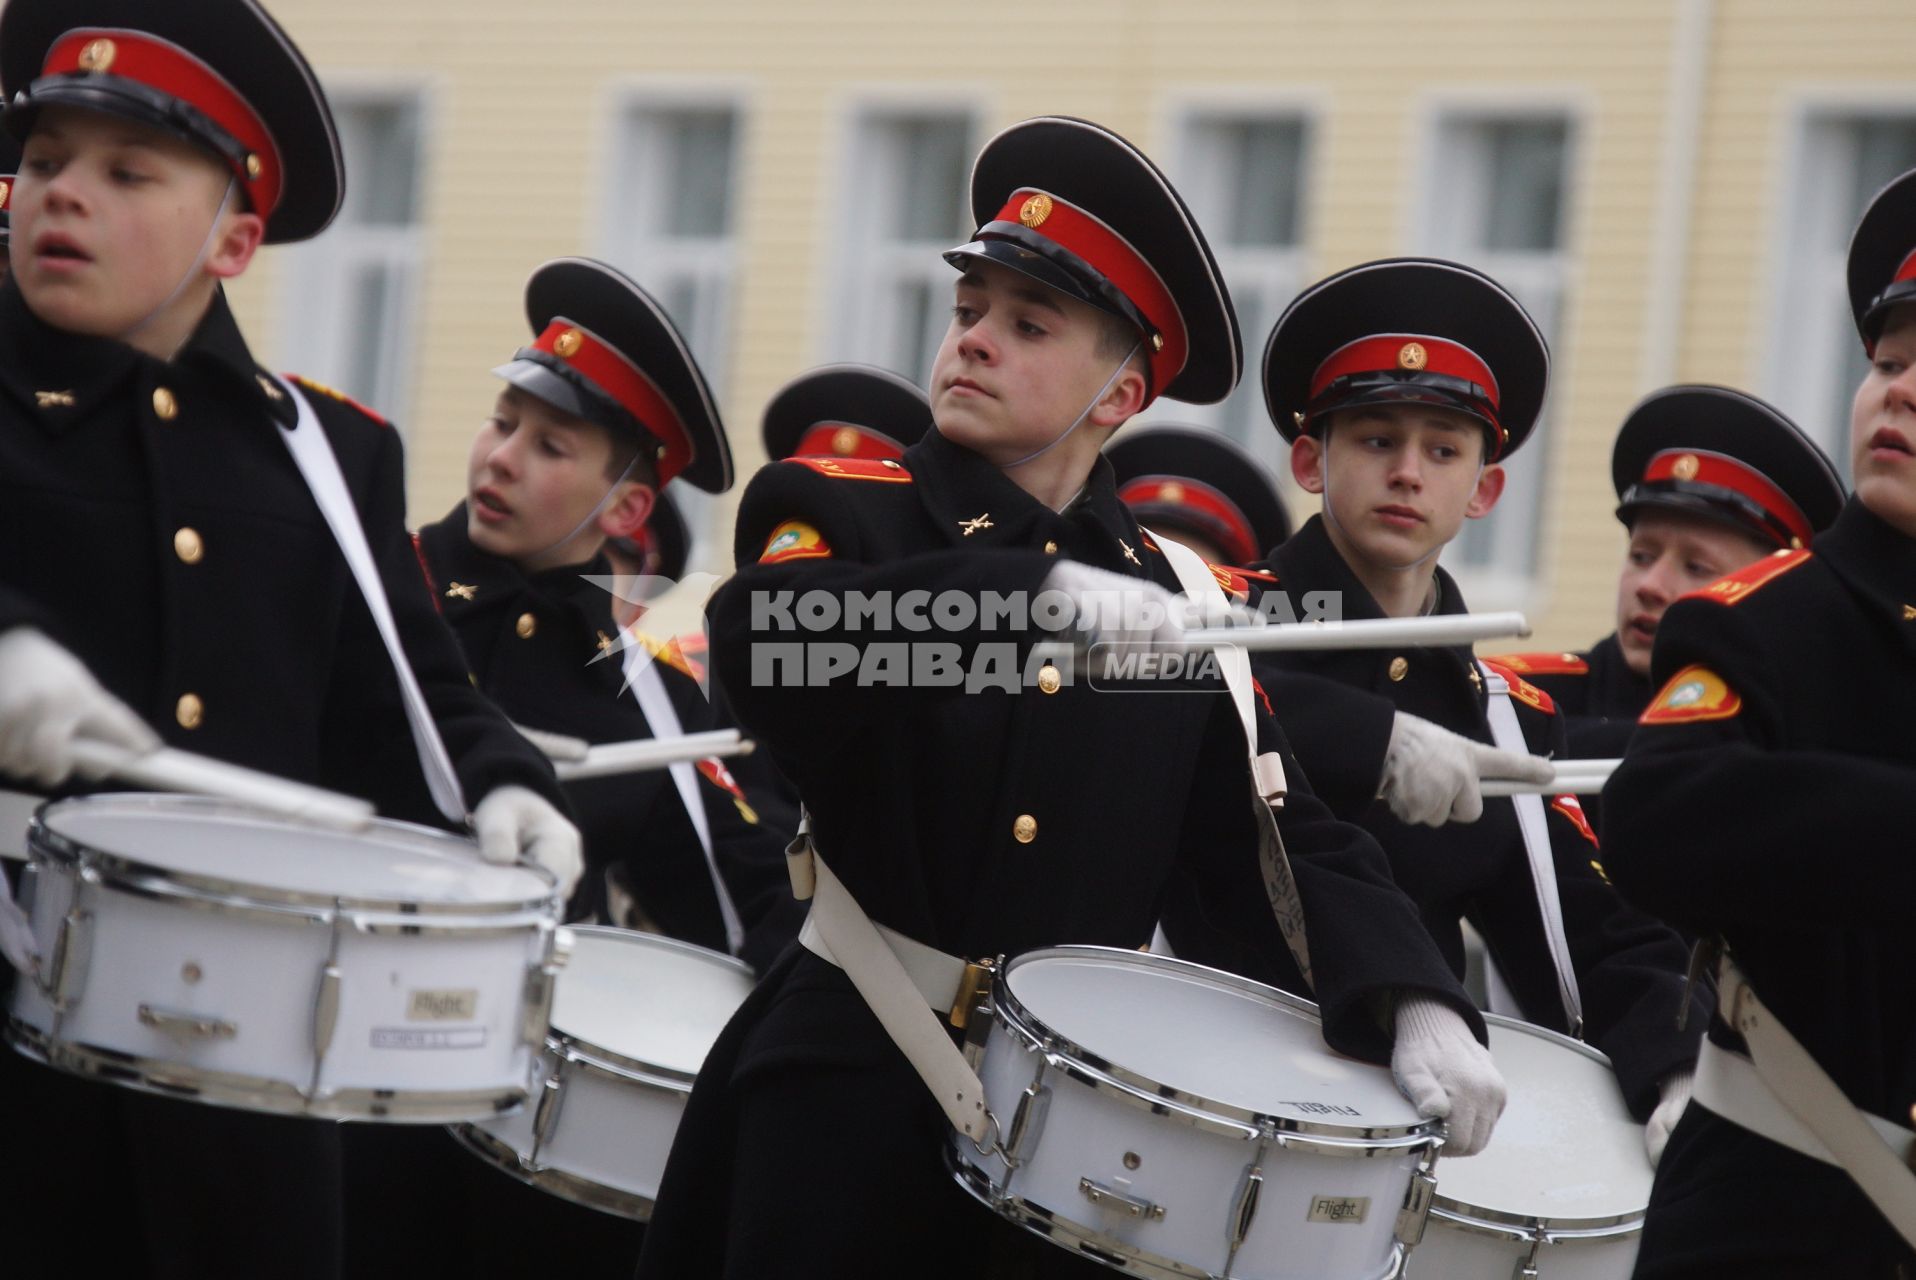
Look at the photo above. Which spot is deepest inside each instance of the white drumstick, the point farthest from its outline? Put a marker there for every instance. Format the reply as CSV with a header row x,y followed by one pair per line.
x,y
1366,633
167,769
1579,777
642,754
556,746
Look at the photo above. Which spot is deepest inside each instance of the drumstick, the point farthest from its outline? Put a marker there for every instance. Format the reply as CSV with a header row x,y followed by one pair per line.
x,y
653,753
1579,777
167,769
1366,633
556,746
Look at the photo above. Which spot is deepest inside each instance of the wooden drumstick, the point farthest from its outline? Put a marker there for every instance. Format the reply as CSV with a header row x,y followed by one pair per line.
x,y
653,753
167,769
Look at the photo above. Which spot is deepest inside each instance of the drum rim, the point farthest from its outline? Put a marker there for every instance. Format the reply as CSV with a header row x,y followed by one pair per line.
x,y
125,871
258,1094
1029,1026
575,1048
574,1187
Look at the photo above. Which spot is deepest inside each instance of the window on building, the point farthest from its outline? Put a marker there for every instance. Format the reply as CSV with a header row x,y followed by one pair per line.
x,y
353,294
1817,361
909,170
1498,198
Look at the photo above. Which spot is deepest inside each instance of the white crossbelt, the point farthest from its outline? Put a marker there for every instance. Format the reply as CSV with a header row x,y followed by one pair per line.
x,y
1508,735
317,463
1781,1093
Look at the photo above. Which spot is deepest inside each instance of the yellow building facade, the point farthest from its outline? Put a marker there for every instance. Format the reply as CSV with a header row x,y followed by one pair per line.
x,y
1669,184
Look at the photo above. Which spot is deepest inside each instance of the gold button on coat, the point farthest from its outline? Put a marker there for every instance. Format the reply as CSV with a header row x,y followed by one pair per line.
x,y
1399,668
165,404
189,711
526,625
188,546
1025,829
1049,680
1051,548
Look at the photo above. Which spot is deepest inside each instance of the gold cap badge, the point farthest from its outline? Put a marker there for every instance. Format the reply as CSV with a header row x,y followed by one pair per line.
x,y
845,441
98,55
1685,468
6,189
568,344
1412,356
1035,210
1171,491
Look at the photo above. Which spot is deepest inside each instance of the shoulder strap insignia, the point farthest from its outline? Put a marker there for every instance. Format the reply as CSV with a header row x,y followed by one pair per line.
x,y
1693,694
1522,690
884,470
320,388
1542,664
1739,586
795,540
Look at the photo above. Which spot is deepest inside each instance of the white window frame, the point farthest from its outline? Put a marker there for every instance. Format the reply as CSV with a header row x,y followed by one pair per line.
x,y
1504,583
860,269
1797,366
314,324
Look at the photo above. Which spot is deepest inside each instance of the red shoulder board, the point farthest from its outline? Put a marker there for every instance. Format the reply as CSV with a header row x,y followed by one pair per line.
x,y
1237,582
885,470
321,388
1542,664
1741,585
668,652
1572,808
1522,690
1150,543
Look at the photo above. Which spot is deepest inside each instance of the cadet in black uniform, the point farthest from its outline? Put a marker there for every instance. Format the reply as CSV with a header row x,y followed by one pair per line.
x,y
1767,797
1401,384
1708,479
142,469
1201,489
998,820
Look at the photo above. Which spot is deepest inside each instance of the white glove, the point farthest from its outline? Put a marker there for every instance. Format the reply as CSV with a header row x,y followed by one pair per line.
x,y
514,823
1676,1096
1431,774
1111,607
48,699
1445,1073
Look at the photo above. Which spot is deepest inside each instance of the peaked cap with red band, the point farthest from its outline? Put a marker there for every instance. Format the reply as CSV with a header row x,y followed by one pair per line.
x,y
1076,207
1728,457
1882,258
218,73
605,351
845,411
1188,480
1408,330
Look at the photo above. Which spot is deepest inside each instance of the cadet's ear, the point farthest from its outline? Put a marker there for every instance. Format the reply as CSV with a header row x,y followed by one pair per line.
x,y
628,511
1490,487
1307,463
234,243
1123,401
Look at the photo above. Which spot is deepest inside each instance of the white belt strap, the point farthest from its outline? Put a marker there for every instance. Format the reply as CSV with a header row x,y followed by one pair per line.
x,y
1267,769
1508,735
900,979
1781,1093
642,675
314,455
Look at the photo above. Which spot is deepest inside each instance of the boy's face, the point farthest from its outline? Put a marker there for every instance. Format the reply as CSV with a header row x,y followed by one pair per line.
x,y
1883,425
1019,363
536,475
1398,479
110,218
1670,555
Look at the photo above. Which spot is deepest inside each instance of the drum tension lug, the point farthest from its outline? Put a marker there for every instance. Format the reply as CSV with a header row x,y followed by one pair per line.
x,y
971,986
1415,1215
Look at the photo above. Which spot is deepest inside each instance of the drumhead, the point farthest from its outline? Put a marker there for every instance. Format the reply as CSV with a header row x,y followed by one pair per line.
x,y
1218,1038
654,1001
1566,1149
220,847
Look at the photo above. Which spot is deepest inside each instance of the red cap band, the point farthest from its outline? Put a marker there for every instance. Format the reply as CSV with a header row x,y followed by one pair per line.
x,y
626,383
1111,256
1907,271
1698,467
1411,353
161,65
1223,514
843,440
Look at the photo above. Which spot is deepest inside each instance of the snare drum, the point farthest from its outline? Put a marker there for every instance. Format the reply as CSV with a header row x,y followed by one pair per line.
x,y
1172,1120
1564,1183
198,950
633,1017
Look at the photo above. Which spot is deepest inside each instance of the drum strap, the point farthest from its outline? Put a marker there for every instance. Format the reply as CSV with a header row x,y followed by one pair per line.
x,y
1508,735
1781,1093
317,463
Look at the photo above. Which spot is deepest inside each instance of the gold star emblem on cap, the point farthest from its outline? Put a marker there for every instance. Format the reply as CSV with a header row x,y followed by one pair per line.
x,y
1412,356
845,442
1685,468
568,344
1129,554
1035,209
54,399
461,590
976,523
98,55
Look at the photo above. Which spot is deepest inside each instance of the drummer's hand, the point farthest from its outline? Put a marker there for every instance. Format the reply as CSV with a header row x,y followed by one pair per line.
x,y
1445,1073
1110,607
1676,1096
48,700
1431,775
514,823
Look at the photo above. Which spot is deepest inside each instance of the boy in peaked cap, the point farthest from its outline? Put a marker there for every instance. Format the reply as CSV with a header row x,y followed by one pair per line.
x,y
999,820
1201,489
163,144
1766,801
